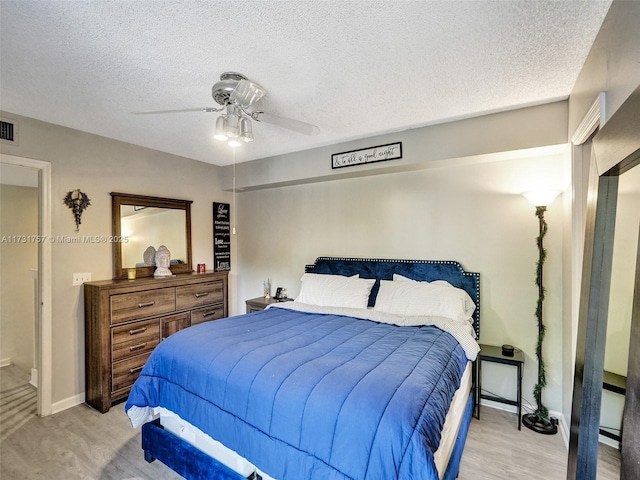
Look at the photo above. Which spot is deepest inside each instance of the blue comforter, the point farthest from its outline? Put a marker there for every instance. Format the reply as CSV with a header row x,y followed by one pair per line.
x,y
311,396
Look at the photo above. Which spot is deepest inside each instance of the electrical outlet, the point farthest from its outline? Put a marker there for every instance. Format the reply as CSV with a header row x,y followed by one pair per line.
x,y
80,278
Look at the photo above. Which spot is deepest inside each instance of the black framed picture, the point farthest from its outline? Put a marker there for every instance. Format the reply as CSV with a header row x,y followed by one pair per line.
x,y
221,237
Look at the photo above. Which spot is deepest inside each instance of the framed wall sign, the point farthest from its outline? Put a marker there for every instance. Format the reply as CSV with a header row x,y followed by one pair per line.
x,y
380,153
221,237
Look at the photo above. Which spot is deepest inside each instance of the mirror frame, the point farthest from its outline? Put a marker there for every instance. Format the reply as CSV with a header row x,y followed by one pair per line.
x,y
119,199
616,149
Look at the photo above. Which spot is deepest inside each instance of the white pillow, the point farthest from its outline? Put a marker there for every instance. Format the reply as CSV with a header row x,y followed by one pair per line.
x,y
335,290
439,298
400,278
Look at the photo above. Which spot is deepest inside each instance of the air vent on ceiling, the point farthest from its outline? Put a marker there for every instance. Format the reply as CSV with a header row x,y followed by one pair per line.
x,y
6,131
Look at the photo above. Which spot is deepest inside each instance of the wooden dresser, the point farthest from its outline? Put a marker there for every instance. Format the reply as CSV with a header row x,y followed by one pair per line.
x,y
126,319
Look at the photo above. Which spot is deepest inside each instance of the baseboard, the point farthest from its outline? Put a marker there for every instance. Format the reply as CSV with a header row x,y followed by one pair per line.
x,y
609,441
562,426
5,362
67,403
498,406
34,378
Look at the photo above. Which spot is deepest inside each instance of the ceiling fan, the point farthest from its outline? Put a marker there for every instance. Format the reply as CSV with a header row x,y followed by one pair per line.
x,y
239,97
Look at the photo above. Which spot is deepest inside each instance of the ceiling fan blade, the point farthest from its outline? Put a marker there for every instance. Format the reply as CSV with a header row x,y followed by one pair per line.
x,y
247,93
284,122
181,110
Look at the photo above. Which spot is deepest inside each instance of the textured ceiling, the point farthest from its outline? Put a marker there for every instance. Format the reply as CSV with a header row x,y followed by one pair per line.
x,y
354,68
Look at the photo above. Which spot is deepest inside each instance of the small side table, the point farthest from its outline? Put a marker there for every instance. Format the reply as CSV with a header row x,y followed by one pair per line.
x,y
491,353
260,303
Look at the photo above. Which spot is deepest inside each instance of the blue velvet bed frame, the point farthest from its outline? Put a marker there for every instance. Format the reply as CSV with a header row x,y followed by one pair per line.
x,y
192,463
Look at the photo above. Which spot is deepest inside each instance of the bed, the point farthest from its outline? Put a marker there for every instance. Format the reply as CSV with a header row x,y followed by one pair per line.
x,y
366,375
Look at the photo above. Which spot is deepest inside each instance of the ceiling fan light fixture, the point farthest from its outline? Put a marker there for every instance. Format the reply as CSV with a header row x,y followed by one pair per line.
x,y
246,134
219,133
231,122
234,143
246,93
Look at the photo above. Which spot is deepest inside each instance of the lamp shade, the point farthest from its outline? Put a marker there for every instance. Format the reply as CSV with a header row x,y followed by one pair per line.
x,y
246,135
219,135
541,198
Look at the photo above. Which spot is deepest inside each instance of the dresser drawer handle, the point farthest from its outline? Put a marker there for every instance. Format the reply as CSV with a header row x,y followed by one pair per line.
x,y
148,304
202,294
135,370
137,331
208,314
137,347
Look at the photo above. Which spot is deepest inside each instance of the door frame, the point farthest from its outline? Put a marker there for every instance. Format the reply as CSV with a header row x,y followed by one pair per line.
x,y
44,363
616,149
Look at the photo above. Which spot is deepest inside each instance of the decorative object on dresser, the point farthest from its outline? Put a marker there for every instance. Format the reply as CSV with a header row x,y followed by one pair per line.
x,y
539,420
126,319
163,259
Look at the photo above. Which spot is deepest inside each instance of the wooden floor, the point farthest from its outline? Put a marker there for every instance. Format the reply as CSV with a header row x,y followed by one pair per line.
x,y
80,443
18,402
496,450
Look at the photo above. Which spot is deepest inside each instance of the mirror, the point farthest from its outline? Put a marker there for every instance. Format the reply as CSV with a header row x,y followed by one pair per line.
x,y
617,152
142,222
616,359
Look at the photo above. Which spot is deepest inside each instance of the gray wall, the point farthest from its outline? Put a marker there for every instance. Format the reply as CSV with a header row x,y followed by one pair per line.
x,y
455,195
97,166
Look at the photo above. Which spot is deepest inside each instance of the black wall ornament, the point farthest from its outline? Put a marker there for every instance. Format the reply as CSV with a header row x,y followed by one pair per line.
x,y
78,203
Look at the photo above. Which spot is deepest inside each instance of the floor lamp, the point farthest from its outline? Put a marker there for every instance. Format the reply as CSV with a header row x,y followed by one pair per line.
x,y
539,421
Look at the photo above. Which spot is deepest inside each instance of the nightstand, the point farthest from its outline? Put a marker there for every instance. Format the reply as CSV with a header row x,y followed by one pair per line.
x,y
490,353
260,303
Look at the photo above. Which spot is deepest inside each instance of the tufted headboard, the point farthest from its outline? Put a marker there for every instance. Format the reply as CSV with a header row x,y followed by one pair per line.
x,y
420,270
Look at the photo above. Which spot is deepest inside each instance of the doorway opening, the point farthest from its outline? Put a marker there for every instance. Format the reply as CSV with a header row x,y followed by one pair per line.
x,y
33,335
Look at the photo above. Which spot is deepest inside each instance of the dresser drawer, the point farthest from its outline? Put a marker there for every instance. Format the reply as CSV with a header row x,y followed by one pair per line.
x,y
192,296
206,314
131,306
125,372
174,323
134,339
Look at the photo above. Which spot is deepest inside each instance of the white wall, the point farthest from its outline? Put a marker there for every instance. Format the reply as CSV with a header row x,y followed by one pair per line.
x,y
97,166
18,217
473,214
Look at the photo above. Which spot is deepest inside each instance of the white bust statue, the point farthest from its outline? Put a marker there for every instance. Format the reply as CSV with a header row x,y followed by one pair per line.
x,y
163,258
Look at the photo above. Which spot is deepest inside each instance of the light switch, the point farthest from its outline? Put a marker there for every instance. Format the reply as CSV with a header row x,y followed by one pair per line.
x,y
80,278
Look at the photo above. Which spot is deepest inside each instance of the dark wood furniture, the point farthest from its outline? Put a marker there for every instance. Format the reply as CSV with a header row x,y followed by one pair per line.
x,y
260,303
126,319
490,353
